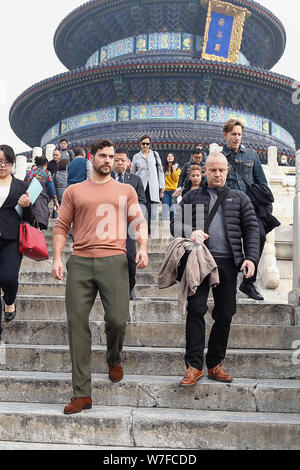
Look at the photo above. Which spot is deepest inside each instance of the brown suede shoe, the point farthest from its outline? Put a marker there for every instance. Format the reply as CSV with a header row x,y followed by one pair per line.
x,y
77,405
116,373
191,376
217,373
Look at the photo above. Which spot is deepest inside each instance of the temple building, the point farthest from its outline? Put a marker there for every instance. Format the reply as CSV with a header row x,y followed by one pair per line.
x,y
174,69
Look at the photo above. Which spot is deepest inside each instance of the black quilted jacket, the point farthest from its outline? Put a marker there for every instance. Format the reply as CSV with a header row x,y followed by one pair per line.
x,y
240,222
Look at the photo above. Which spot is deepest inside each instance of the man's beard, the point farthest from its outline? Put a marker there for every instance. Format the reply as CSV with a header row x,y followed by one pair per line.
x,y
103,171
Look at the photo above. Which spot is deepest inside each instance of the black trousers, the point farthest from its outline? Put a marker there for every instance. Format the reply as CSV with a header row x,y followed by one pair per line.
x,y
224,308
10,262
152,208
131,255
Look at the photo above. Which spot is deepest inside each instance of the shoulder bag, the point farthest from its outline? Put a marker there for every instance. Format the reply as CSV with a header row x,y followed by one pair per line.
x,y
210,217
32,243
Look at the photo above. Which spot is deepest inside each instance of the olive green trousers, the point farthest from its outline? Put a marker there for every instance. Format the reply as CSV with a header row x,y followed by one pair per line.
x,y
85,278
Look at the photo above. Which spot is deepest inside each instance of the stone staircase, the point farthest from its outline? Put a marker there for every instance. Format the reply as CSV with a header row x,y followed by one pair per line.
x,y
260,409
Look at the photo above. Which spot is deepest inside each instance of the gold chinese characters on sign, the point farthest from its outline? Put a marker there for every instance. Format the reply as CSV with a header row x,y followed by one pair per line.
x,y
237,16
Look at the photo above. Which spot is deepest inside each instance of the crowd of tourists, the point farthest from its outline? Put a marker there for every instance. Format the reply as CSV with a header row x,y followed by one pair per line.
x,y
109,205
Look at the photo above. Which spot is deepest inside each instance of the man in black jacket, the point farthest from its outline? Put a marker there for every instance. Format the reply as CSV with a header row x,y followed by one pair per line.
x,y
233,240
53,164
248,163
120,173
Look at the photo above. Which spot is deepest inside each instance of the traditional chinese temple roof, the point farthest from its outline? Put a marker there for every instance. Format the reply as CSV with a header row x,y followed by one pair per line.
x,y
136,66
128,80
100,22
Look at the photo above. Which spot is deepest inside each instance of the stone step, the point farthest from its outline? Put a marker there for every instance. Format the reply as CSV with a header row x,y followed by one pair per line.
x,y
9,445
58,288
241,363
266,396
157,334
149,427
155,310
28,276
46,266
144,276
153,245
152,255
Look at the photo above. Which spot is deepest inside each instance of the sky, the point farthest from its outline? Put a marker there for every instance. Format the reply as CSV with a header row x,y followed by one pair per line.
x,y
27,53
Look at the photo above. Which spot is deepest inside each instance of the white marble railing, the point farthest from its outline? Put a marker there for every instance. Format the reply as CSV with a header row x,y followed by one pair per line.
x,y
294,295
282,182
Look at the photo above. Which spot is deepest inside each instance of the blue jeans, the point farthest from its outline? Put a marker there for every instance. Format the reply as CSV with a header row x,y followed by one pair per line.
x,y
167,205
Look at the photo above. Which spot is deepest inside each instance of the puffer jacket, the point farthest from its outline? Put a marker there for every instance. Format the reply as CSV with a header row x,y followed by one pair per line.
x,y
241,224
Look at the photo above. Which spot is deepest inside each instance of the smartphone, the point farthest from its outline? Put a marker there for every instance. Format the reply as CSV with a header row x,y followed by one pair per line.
x,y
245,270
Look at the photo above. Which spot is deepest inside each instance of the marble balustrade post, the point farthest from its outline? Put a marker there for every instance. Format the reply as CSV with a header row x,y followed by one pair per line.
x,y
294,295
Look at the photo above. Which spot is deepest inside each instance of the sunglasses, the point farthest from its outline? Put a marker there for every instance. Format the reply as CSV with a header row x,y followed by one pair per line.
x,y
145,143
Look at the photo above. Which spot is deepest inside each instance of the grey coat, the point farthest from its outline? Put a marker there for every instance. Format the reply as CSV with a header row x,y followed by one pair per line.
x,y
149,173
60,183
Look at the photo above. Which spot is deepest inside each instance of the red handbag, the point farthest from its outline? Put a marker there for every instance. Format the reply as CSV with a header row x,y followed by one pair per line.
x,y
32,243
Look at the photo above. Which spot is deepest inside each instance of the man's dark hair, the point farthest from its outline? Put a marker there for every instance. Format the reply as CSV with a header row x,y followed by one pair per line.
x,y
99,145
9,153
40,161
145,137
62,164
79,151
197,152
122,150
230,124
63,140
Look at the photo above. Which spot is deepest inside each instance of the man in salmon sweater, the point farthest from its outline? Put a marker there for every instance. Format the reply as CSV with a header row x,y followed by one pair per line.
x,y
100,209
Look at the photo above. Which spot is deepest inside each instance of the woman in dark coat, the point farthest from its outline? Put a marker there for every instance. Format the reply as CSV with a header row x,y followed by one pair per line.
x,y
12,192
40,207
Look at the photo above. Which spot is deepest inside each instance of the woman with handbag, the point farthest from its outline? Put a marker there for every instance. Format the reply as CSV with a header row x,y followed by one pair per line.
x,y
12,192
41,206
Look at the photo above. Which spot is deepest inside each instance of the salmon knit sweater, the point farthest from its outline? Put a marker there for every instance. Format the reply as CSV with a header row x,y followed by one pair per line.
x,y
100,214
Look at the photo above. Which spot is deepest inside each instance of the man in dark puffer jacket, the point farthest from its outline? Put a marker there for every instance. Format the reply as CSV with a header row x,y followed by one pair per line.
x,y
233,240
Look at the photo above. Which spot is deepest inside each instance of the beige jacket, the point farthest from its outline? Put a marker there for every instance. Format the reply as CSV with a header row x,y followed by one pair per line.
x,y
200,264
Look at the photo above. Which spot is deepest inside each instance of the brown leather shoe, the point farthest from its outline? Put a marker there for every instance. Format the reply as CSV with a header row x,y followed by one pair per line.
x,y
77,405
217,373
116,373
191,376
